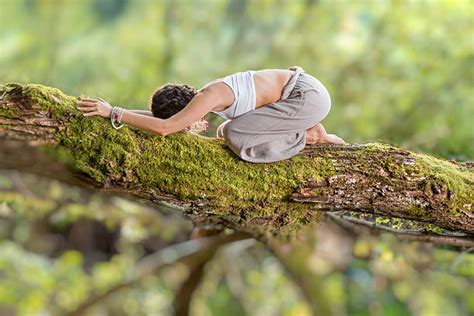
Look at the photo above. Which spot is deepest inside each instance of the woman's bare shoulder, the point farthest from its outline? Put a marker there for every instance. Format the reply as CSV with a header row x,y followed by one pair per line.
x,y
210,83
221,91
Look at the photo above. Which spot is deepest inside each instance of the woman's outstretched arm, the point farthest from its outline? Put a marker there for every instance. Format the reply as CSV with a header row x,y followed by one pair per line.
x,y
202,103
100,107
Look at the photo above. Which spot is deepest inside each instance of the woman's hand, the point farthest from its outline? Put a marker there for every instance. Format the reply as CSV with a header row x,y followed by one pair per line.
x,y
91,107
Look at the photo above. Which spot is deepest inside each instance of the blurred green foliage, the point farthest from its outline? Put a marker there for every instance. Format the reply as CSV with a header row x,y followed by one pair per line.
x,y
60,244
398,71
52,256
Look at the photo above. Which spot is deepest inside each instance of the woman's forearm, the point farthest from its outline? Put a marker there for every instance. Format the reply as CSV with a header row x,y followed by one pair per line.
x,y
149,123
137,118
142,112
91,107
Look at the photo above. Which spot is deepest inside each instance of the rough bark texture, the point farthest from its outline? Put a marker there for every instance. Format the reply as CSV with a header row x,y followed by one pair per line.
x,y
42,132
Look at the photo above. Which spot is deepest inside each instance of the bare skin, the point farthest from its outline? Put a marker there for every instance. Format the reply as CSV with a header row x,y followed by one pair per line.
x,y
318,135
214,96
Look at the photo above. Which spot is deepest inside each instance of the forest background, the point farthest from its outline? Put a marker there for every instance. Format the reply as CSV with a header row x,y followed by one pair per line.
x,y
399,72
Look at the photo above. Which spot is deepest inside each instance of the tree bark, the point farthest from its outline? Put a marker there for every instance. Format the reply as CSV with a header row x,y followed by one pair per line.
x,y
42,132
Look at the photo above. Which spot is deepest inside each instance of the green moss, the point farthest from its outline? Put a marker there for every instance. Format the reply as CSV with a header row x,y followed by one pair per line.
x,y
378,147
49,99
188,166
193,168
459,181
376,155
415,211
7,112
403,165
183,165
398,164
5,88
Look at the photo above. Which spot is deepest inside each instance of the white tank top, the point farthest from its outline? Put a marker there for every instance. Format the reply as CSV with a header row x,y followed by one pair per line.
x,y
243,86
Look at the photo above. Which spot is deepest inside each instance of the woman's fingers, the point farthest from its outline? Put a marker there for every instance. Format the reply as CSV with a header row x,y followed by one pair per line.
x,y
88,106
87,109
91,107
86,103
91,113
88,99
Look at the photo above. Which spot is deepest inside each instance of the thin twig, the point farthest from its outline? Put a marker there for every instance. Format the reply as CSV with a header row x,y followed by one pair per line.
x,y
357,225
376,225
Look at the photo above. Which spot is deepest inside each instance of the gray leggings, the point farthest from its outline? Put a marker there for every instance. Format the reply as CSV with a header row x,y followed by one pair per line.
x,y
277,131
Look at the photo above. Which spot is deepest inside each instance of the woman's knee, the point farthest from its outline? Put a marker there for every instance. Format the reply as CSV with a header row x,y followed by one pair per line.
x,y
233,135
228,130
232,138
321,103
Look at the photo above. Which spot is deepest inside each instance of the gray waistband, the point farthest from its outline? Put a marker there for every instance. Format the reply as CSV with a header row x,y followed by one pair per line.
x,y
291,83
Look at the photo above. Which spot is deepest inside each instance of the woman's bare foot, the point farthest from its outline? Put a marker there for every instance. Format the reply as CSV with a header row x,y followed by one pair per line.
x,y
334,139
318,135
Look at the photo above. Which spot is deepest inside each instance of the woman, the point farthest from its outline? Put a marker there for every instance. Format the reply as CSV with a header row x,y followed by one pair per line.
x,y
272,113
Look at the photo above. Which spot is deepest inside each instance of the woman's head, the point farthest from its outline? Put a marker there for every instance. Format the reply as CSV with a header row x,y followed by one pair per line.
x,y
171,98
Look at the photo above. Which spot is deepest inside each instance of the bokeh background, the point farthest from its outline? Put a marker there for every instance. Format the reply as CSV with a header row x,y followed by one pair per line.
x,y
400,72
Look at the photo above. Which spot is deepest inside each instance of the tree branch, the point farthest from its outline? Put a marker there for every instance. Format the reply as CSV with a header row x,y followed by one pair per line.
x,y
196,250
358,226
42,132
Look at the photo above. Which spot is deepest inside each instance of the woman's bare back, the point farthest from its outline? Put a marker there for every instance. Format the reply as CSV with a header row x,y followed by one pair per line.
x,y
269,84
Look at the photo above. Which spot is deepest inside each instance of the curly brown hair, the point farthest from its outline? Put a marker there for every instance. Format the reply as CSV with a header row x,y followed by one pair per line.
x,y
171,98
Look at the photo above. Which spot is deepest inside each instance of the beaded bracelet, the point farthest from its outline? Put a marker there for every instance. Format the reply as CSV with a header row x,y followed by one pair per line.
x,y
116,117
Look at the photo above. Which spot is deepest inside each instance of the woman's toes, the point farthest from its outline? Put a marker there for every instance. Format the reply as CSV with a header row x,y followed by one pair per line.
x,y
334,139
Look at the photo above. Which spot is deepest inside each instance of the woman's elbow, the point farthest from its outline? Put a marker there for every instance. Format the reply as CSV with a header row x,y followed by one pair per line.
x,y
158,131
162,133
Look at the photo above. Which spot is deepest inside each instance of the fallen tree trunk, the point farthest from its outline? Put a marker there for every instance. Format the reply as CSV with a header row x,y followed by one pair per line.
x,y
42,132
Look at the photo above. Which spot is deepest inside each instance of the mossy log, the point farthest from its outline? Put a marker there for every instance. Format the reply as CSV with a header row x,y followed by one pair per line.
x,y
41,131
